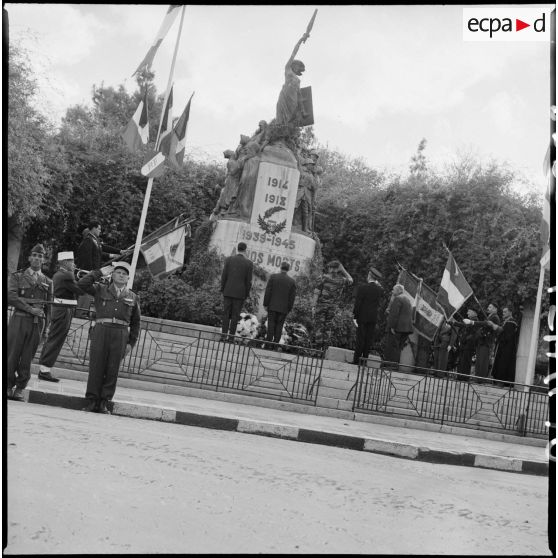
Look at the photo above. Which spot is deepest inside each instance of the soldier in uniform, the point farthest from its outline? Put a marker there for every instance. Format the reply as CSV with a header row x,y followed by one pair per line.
x,y
28,321
65,287
114,335
327,296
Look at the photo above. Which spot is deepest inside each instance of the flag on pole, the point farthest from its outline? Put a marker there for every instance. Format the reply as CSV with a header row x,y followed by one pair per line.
x,y
136,133
170,16
173,145
427,314
410,284
454,289
166,120
164,252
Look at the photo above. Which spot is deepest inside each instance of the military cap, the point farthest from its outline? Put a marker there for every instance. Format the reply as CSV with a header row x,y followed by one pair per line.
x,y
375,273
38,249
65,256
122,265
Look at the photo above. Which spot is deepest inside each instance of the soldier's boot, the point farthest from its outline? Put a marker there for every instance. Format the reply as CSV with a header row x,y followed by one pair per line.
x,y
44,374
103,407
91,406
17,394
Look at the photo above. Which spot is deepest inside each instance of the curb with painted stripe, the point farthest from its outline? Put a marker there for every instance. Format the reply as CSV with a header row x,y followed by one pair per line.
x,y
246,426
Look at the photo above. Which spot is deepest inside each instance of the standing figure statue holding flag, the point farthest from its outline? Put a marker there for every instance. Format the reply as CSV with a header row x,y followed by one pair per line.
x,y
290,109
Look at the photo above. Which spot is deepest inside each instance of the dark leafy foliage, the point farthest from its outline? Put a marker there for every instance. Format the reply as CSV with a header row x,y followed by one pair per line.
x,y
363,216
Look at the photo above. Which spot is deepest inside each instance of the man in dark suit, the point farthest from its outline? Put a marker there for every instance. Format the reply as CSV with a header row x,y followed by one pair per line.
x,y
365,312
91,249
279,298
399,324
236,281
65,287
89,256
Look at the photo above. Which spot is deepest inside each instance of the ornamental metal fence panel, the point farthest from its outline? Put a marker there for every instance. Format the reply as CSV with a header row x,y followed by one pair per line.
x,y
185,355
450,398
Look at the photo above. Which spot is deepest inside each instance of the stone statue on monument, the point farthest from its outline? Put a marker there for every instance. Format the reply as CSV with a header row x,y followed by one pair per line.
x,y
278,138
269,191
290,110
310,178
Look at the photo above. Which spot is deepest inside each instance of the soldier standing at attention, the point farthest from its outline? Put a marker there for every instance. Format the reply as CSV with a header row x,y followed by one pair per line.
x,y
114,335
28,321
65,287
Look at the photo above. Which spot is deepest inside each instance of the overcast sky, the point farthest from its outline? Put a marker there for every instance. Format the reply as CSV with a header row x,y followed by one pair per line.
x,y
382,77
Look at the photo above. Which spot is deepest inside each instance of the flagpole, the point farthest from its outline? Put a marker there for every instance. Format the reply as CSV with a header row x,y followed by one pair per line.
x,y
535,332
480,305
150,181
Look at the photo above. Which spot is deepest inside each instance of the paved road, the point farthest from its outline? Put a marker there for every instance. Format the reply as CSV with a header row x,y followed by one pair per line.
x,y
87,483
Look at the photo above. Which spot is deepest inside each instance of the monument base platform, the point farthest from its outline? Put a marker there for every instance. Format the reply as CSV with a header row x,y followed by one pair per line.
x,y
264,249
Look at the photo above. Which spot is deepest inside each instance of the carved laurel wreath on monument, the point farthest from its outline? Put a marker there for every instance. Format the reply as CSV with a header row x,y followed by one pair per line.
x,y
268,227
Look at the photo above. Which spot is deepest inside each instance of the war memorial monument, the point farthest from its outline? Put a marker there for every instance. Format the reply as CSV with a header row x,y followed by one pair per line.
x,y
268,198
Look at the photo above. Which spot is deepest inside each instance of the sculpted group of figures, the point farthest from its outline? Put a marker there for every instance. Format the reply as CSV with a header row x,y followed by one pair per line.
x,y
237,194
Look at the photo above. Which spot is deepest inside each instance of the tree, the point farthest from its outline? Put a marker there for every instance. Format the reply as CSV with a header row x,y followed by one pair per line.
x,y
406,222
106,179
418,166
35,161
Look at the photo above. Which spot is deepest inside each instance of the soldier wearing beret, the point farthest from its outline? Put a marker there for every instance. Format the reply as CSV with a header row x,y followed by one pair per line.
x,y
65,287
28,290
114,335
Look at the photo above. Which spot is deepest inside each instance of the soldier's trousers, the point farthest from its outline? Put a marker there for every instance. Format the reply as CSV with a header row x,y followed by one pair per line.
x,y
24,335
108,347
364,339
59,327
483,361
322,325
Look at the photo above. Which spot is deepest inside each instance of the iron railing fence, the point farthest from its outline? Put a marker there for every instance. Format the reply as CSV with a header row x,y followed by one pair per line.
x,y
450,398
185,355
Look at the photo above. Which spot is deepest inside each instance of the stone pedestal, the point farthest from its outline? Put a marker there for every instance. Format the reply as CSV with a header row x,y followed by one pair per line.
x,y
265,208
264,249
